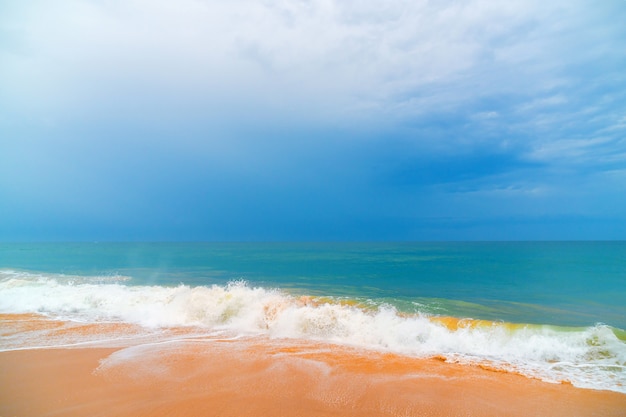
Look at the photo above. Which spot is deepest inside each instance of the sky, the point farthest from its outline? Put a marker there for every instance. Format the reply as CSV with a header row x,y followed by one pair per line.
x,y
299,120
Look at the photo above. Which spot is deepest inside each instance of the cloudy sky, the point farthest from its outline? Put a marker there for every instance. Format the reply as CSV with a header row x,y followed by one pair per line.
x,y
312,120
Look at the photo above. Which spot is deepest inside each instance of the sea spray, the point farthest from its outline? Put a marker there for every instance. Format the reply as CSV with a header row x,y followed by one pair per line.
x,y
591,357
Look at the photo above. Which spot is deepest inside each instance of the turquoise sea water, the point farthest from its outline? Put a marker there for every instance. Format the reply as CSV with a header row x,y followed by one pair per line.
x,y
559,283
549,310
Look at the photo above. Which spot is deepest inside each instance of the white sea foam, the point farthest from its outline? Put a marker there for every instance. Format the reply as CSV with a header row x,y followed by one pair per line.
x,y
587,357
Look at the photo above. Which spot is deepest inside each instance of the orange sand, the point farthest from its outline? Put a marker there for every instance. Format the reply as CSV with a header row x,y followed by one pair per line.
x,y
261,377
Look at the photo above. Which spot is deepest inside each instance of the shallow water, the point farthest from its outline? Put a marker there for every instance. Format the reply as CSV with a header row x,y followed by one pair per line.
x,y
134,371
559,283
547,310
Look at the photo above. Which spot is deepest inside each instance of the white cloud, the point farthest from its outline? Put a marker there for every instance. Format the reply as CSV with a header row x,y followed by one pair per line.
x,y
590,151
337,56
222,67
543,103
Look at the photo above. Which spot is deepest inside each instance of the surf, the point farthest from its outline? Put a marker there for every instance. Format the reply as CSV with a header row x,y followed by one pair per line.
x,y
587,357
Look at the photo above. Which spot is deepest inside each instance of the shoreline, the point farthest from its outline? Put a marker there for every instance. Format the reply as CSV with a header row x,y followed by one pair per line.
x,y
230,379
116,369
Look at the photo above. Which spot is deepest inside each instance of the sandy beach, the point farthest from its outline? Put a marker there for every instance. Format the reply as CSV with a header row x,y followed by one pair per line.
x,y
262,377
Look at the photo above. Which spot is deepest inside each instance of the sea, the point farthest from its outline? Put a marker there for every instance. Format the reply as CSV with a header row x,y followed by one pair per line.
x,y
555,311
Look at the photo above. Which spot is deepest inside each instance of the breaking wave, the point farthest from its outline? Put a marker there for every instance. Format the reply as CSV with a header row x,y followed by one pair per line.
x,y
592,357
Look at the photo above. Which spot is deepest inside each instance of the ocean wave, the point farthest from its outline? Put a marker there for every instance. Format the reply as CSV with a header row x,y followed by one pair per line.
x,y
592,357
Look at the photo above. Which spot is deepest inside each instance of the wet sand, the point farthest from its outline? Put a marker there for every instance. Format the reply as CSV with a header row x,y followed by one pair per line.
x,y
262,377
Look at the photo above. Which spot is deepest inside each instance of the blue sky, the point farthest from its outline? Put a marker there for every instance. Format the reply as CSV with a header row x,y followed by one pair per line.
x,y
312,120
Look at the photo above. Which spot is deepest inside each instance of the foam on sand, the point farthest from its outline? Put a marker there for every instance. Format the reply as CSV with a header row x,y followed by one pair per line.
x,y
188,374
593,357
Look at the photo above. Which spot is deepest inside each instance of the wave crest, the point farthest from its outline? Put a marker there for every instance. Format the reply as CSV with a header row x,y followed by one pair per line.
x,y
591,357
